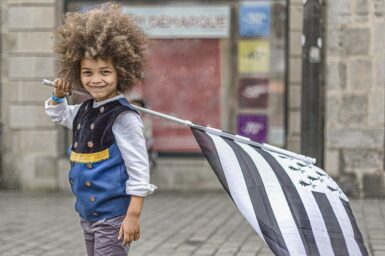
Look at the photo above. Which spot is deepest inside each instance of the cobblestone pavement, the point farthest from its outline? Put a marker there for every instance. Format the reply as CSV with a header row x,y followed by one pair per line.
x,y
178,224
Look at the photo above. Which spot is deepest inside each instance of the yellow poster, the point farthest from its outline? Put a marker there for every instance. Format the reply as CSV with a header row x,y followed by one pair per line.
x,y
253,56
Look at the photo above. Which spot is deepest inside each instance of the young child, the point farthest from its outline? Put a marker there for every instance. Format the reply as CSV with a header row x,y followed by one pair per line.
x,y
102,51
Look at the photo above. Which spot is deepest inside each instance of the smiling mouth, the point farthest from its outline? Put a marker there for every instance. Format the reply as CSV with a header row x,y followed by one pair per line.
x,y
96,88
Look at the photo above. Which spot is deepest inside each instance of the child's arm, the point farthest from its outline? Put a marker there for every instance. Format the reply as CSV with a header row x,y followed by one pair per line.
x,y
130,228
61,113
128,131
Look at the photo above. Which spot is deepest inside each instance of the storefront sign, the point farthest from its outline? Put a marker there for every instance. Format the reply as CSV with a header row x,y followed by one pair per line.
x,y
253,92
252,126
254,19
182,22
254,56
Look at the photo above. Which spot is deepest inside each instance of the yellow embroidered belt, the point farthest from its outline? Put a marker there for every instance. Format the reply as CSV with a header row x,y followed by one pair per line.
x,y
89,157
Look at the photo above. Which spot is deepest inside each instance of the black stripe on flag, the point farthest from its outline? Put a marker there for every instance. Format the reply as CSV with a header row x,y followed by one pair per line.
x,y
294,201
210,152
356,231
260,201
333,227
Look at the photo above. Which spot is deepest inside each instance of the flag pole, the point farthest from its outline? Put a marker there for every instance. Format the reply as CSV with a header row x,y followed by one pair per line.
x,y
210,130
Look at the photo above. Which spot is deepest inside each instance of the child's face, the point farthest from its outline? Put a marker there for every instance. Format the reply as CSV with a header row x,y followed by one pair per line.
x,y
99,78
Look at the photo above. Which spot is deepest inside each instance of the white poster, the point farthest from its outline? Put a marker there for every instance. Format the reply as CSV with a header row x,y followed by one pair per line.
x,y
182,22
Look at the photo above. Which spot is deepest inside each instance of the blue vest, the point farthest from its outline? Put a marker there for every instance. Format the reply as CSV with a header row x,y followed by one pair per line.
x,y
98,175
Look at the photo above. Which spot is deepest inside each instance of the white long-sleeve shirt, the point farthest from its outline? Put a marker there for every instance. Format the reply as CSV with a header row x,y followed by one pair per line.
x,y
128,132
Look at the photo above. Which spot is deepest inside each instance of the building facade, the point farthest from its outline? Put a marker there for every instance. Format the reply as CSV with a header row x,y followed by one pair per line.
x,y
354,87
233,57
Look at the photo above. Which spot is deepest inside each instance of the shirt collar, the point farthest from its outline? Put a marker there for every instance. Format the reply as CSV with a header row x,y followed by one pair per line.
x,y
100,103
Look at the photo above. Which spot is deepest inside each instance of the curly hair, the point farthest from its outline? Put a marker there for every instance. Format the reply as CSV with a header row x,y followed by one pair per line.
x,y
102,32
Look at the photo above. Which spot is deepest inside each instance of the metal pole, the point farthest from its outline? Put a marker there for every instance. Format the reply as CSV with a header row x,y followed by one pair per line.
x,y
213,131
312,106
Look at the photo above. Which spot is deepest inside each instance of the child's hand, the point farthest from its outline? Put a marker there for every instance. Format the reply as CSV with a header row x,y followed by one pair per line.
x,y
130,229
61,88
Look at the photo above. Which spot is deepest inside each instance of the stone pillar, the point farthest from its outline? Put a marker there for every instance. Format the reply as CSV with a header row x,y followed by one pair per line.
x,y
31,144
295,71
355,61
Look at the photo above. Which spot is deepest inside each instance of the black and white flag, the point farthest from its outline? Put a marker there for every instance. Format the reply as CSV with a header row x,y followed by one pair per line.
x,y
295,207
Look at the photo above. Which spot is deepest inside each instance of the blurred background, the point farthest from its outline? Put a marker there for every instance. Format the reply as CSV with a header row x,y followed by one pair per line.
x,y
309,78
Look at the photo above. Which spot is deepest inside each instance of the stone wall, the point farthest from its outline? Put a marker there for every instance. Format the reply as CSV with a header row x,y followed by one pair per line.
x,y
30,142
355,70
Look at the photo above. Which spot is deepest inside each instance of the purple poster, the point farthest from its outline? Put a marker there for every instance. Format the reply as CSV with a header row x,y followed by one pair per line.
x,y
252,126
253,92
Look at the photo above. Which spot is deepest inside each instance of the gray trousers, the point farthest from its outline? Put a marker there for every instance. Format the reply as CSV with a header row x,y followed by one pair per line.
x,y
101,237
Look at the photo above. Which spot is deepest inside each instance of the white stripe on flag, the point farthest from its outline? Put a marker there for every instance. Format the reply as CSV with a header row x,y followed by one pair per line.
x,y
278,202
318,226
314,214
236,181
345,224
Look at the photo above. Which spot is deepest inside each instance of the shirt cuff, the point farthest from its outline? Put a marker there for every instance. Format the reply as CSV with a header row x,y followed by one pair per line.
x,y
140,189
59,106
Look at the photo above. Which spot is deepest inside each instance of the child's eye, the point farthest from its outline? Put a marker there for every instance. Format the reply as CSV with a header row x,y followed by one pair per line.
x,y
105,72
86,73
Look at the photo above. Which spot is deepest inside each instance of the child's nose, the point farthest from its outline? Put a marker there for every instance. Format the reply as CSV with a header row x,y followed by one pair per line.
x,y
96,79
